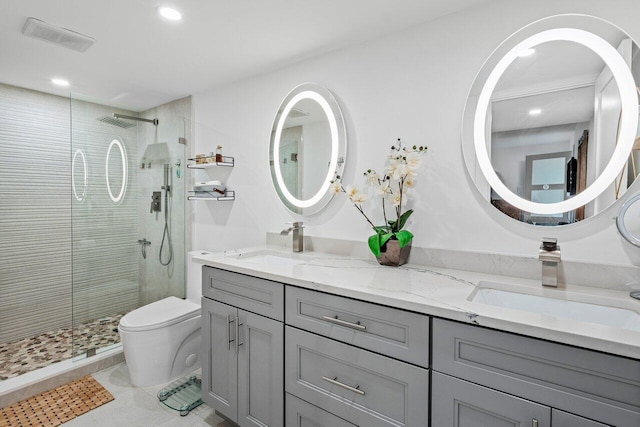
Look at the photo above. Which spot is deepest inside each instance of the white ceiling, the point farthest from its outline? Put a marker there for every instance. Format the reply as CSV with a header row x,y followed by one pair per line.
x,y
140,61
558,78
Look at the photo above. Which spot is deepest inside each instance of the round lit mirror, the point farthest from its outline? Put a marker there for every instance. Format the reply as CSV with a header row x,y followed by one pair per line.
x,y
116,170
308,147
551,119
628,220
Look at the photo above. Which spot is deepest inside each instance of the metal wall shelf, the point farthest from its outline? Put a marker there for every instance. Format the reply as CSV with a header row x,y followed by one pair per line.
x,y
210,162
228,196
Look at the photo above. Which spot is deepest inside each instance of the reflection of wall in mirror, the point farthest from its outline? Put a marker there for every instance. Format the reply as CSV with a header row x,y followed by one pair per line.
x,y
315,154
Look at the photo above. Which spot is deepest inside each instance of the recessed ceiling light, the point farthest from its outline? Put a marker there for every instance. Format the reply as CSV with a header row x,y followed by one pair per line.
x,y
170,14
526,52
60,82
535,111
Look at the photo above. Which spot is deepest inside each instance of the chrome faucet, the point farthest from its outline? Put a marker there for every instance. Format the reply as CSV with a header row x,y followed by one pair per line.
x,y
298,236
550,256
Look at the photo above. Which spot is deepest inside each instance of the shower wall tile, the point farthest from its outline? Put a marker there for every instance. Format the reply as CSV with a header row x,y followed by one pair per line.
x,y
35,213
53,246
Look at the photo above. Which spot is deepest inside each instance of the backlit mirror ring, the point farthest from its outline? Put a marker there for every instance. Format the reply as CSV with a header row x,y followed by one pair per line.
x,y
123,156
622,228
628,119
331,111
85,175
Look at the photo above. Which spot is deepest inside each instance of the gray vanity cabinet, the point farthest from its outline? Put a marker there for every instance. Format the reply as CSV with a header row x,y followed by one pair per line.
x,y
303,414
242,372
563,379
331,371
461,403
564,419
458,403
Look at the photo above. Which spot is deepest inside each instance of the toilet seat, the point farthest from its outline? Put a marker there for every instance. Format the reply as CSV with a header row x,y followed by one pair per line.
x,y
159,314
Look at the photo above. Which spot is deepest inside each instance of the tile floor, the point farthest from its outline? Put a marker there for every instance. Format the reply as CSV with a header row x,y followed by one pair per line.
x,y
29,354
139,407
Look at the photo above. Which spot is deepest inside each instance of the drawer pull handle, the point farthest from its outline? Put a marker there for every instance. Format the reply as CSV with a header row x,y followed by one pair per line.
x,y
534,423
337,321
335,381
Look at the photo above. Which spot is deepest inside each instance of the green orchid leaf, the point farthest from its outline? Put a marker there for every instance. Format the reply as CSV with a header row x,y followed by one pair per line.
x,y
380,229
384,238
374,244
403,219
377,241
404,237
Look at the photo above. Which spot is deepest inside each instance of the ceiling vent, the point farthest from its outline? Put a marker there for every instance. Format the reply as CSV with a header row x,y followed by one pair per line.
x,y
58,35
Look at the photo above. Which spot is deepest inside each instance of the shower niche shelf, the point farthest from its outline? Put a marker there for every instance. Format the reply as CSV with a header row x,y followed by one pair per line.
x,y
207,162
227,196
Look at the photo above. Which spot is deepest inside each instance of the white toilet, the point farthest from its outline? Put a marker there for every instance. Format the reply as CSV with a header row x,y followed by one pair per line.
x,y
161,340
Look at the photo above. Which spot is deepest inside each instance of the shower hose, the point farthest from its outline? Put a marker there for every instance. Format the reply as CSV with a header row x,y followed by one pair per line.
x,y
167,232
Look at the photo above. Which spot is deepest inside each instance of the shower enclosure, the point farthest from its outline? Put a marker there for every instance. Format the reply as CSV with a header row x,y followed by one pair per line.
x,y
80,241
127,216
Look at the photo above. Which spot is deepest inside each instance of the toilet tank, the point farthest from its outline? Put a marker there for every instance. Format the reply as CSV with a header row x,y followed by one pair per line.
x,y
194,277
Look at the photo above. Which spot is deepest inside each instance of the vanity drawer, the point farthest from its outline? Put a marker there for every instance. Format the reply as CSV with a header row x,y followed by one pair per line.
x,y
396,333
359,386
600,386
303,414
253,294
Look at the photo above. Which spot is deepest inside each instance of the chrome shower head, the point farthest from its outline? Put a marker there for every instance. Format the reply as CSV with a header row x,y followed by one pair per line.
x,y
116,122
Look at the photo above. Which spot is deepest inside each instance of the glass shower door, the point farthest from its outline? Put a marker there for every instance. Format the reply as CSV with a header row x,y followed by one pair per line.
x,y
161,195
104,224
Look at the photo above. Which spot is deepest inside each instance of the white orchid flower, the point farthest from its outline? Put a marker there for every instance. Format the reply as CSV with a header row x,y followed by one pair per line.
x,y
382,189
358,198
355,196
401,170
414,160
409,183
334,188
397,199
371,177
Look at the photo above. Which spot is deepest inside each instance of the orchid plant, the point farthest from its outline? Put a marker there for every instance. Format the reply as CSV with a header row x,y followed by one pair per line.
x,y
393,187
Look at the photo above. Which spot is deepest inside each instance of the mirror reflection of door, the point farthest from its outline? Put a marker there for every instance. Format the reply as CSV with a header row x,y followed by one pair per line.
x,y
546,182
288,157
551,102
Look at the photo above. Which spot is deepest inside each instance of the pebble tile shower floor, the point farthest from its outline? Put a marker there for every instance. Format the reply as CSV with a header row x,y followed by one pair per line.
x,y
29,354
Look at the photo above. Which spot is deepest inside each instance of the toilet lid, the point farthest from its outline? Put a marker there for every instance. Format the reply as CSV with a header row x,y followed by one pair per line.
x,y
165,312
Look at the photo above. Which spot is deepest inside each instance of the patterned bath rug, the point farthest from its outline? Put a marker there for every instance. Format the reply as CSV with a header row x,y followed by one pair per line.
x,y
56,406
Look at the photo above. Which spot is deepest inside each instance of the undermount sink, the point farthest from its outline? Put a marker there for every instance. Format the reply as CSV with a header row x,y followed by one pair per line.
x,y
267,257
559,303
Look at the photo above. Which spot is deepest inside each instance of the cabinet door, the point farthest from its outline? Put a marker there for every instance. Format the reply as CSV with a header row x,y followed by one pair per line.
x,y
303,414
458,403
564,419
220,363
260,371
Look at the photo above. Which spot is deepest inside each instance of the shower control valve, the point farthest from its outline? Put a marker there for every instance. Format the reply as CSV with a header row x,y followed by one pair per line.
x,y
156,202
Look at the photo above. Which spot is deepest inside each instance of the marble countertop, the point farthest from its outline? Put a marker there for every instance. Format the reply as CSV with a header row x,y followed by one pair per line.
x,y
434,291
